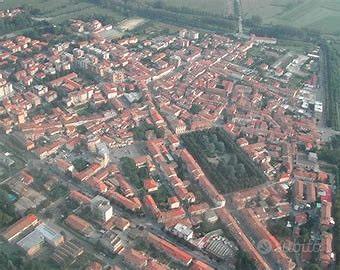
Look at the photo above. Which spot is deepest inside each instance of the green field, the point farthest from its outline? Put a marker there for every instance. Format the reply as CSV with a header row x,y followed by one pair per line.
x,y
57,11
218,7
322,15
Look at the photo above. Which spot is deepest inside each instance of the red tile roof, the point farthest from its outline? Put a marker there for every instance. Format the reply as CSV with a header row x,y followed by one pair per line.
x,y
171,250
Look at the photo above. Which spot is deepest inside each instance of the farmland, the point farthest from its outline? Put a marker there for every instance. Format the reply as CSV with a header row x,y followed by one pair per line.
x,y
61,10
218,7
321,15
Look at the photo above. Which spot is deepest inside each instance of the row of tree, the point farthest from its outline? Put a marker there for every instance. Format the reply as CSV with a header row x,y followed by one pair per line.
x,y
7,210
282,31
17,261
172,15
332,74
8,25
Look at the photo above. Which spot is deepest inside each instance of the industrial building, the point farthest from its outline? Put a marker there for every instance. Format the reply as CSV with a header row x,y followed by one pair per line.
x,y
32,242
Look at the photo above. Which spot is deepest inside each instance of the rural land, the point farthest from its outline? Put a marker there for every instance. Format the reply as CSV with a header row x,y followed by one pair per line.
x,y
169,134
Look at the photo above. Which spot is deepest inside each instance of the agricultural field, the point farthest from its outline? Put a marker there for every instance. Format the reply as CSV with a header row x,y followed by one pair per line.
x,y
61,10
321,15
218,7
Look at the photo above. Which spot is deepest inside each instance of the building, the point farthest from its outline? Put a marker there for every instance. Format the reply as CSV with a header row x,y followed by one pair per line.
x,y
101,208
298,191
31,243
6,88
183,231
51,236
174,202
326,214
79,224
94,266
79,197
199,265
210,216
111,242
326,250
220,247
68,252
171,250
150,185
20,226
135,258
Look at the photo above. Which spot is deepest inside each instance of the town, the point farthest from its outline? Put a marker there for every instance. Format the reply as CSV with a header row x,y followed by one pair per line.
x,y
180,150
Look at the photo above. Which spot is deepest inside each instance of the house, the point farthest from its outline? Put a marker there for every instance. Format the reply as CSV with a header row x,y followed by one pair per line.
x,y
173,202
150,185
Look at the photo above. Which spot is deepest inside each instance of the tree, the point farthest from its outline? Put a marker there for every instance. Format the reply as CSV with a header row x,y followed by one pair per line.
x,y
5,219
226,116
195,108
143,173
233,160
240,170
312,266
159,132
244,262
130,170
220,147
159,4
210,149
80,164
279,228
214,138
81,129
7,210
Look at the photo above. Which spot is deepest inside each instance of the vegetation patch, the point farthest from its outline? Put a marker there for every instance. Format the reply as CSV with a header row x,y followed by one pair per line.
x,y
223,161
80,164
332,74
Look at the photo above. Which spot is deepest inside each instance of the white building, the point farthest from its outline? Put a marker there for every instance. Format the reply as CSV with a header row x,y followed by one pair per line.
x,y
183,231
101,208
